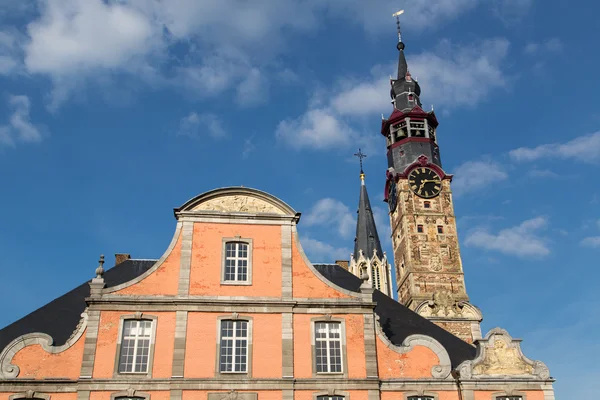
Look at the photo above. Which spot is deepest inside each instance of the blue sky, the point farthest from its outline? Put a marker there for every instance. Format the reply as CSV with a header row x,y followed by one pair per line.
x,y
114,113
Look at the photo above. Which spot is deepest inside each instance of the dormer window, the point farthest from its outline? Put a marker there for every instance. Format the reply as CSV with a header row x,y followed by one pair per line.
x,y
411,97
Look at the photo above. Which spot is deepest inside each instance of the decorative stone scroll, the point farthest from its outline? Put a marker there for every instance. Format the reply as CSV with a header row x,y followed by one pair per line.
x,y
499,355
440,371
238,203
10,371
444,305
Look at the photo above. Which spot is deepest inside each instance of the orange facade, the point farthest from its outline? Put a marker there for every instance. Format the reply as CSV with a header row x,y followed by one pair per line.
x,y
279,318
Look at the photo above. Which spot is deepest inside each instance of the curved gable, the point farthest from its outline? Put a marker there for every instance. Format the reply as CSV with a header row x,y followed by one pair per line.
x,y
236,200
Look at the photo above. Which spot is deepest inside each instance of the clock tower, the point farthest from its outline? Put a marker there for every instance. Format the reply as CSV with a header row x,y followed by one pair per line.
x,y
429,273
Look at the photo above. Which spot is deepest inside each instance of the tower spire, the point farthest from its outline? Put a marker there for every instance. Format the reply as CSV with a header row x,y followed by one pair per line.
x,y
405,90
367,238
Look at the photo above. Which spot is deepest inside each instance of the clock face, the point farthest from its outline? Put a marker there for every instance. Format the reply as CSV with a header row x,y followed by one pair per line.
x,y
425,182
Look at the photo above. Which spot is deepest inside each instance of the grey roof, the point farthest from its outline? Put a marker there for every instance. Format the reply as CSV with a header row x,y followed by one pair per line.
x,y
366,238
68,308
398,321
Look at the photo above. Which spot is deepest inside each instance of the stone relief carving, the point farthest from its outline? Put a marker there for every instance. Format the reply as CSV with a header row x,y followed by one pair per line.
x,y
498,354
435,263
445,305
238,203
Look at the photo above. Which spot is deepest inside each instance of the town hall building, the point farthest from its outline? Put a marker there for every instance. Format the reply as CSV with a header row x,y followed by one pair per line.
x,y
234,310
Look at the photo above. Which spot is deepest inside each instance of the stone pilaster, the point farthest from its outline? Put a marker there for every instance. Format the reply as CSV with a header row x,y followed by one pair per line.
x,y
89,346
179,344
287,342
186,258
286,261
370,346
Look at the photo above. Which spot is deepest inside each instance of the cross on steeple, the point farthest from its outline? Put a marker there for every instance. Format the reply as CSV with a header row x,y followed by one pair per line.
x,y
397,15
360,156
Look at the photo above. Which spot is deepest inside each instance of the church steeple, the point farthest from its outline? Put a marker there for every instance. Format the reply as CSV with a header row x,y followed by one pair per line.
x,y
367,239
410,131
368,256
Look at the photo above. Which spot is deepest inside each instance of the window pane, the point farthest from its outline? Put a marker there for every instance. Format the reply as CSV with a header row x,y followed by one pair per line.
x,y
328,346
135,346
234,346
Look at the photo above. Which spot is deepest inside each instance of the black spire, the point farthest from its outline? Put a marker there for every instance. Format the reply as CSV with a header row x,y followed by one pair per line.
x,y
367,238
405,90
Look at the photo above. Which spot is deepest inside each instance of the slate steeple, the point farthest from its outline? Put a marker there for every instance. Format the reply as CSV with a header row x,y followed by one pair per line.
x,y
368,257
366,238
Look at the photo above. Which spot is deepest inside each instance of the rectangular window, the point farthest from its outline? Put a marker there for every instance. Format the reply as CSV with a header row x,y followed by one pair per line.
x,y
420,228
420,398
234,346
426,204
440,229
328,347
236,262
135,346
509,398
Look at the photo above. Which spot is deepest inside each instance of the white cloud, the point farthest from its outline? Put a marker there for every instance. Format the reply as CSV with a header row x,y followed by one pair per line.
x,y
317,128
523,240
474,70
583,148
318,251
542,173
375,15
460,76
553,45
511,11
249,147
19,127
165,42
72,36
197,124
473,175
10,52
592,241
332,212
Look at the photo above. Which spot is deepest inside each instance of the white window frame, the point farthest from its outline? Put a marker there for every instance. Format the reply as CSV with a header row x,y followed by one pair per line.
x,y
137,326
328,341
248,259
233,339
136,317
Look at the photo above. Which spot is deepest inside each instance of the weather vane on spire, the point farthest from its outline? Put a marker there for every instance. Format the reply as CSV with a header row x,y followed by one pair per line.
x,y
360,156
397,15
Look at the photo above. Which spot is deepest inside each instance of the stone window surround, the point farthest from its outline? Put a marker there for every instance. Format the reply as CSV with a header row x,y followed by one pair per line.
x,y
412,395
328,318
136,316
240,239
508,393
234,375
345,395
30,394
129,393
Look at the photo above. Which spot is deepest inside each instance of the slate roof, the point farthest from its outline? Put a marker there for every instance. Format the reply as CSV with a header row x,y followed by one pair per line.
x,y
366,238
398,321
60,317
